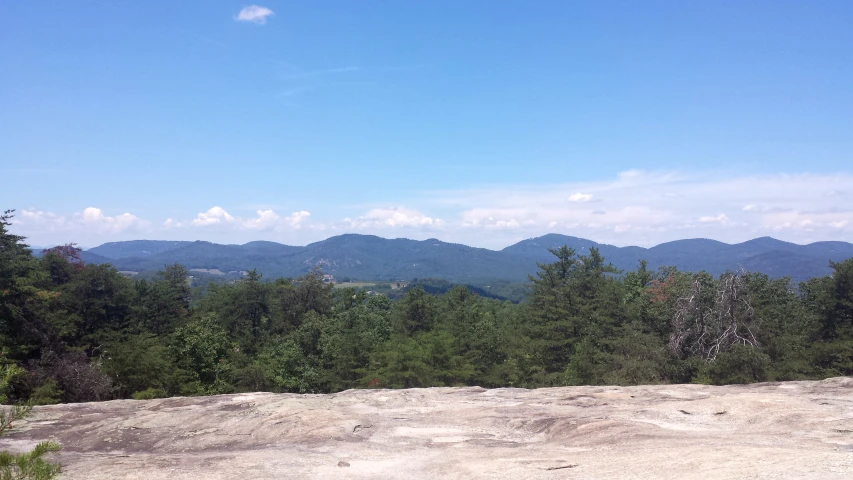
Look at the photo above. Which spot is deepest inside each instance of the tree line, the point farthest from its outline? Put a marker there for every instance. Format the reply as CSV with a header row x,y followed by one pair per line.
x,y
72,332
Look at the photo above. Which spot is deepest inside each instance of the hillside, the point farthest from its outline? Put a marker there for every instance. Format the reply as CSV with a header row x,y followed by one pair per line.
x,y
372,258
136,248
793,430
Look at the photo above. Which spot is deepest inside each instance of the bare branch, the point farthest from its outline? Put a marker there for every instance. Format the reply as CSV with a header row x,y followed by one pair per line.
x,y
707,325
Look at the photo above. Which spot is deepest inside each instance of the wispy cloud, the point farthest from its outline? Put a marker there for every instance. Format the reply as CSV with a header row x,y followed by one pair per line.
x,y
633,208
391,217
580,197
327,78
214,216
292,92
721,218
91,221
266,220
402,68
288,96
254,14
296,73
34,171
303,81
204,39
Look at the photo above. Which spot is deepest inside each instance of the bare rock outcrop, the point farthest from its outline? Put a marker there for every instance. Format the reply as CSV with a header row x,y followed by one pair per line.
x,y
785,430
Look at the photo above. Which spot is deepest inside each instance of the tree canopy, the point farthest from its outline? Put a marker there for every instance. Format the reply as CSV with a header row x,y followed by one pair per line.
x,y
71,331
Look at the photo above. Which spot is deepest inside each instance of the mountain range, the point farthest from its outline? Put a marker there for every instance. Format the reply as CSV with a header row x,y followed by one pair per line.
x,y
372,258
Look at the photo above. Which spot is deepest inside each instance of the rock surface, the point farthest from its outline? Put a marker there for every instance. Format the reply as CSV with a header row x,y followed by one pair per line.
x,y
763,431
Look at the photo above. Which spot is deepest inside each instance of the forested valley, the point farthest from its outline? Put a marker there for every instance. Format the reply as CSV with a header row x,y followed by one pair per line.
x,y
75,332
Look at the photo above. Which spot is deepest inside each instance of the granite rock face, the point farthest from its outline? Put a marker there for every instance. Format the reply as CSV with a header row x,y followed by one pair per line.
x,y
787,430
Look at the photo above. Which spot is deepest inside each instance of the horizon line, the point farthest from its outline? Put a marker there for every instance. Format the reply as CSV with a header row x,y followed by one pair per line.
x,y
455,243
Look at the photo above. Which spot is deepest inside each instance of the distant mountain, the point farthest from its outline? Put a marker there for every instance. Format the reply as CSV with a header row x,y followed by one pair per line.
x,y
136,248
368,257
355,256
89,257
86,256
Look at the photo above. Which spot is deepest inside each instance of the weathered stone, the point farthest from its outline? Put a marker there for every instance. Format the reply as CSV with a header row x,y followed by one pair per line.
x,y
787,430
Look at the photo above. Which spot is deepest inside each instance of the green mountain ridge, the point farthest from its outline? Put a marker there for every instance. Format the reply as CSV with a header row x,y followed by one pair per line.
x,y
369,257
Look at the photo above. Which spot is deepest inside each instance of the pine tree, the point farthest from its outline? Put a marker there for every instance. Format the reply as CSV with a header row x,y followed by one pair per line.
x,y
23,466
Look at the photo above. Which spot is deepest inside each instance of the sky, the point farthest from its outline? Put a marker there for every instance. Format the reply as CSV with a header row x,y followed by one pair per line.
x,y
480,122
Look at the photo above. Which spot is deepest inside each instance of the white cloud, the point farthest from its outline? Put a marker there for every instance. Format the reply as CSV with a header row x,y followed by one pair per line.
x,y
266,220
296,219
628,209
631,174
92,226
392,217
51,228
214,216
269,220
721,218
792,207
254,14
94,218
41,218
580,197
497,218
805,225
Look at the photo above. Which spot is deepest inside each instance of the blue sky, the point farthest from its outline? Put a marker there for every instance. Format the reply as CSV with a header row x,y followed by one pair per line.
x,y
481,122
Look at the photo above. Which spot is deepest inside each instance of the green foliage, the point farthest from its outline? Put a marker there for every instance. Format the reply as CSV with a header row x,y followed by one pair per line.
x,y
11,415
150,394
639,358
390,261
832,358
47,393
30,465
203,348
71,331
841,316
166,300
576,303
141,362
740,364
8,374
416,311
285,368
405,362
78,378
359,326
498,289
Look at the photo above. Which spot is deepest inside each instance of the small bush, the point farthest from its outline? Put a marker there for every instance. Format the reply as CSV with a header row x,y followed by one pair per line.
x,y
30,465
150,394
76,377
8,374
833,358
47,393
741,364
